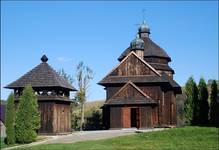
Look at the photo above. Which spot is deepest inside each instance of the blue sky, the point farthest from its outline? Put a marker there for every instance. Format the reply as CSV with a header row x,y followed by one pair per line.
x,y
98,32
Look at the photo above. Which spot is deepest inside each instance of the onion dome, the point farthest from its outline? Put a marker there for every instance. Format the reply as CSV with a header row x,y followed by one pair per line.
x,y
137,44
144,28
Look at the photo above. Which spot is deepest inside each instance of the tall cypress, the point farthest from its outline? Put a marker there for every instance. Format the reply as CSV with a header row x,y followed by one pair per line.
x,y
214,105
10,118
27,121
188,105
203,104
196,103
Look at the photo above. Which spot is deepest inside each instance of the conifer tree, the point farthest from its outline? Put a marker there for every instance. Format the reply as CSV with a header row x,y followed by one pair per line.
x,y
196,105
27,121
203,102
10,118
214,105
188,105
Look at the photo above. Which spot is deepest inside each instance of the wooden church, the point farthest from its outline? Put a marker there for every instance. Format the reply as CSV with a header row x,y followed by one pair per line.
x,y
140,90
53,97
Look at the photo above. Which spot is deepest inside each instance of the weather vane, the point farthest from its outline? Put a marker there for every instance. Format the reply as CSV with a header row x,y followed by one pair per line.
x,y
143,15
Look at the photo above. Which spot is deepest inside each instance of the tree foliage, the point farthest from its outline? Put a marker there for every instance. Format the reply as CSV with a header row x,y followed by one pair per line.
x,y
66,76
83,77
10,118
203,103
27,121
196,107
214,105
94,122
191,96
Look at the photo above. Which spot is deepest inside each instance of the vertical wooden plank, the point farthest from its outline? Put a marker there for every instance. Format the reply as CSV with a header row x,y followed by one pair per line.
x,y
126,117
115,117
145,117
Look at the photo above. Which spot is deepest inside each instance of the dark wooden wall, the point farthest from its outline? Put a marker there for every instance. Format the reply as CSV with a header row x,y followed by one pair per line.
x,y
156,60
55,117
116,117
146,117
120,117
129,92
46,112
164,114
110,91
153,91
62,118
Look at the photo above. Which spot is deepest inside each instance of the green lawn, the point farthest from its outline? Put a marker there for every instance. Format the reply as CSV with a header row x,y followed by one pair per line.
x,y
3,145
187,138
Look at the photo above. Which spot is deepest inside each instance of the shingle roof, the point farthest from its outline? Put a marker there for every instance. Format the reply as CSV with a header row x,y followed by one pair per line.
x,y
42,75
134,79
141,79
161,67
171,81
151,49
117,99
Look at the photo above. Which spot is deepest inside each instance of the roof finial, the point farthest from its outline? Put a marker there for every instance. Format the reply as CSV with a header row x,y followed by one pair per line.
x,y
44,58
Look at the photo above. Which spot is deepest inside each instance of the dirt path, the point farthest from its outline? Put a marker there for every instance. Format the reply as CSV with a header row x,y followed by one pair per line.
x,y
90,135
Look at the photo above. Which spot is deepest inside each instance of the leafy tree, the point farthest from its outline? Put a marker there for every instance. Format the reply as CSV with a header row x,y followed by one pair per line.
x,y
94,122
203,103
10,118
66,76
27,121
75,116
83,77
214,105
191,95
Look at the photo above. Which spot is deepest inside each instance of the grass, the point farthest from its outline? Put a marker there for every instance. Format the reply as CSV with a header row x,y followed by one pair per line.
x,y
3,145
187,138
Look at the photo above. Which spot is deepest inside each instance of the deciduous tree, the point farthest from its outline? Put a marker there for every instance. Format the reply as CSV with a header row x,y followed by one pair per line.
x,y
83,77
66,76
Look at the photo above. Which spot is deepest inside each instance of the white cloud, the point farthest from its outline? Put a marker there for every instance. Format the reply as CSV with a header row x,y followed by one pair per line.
x,y
64,59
